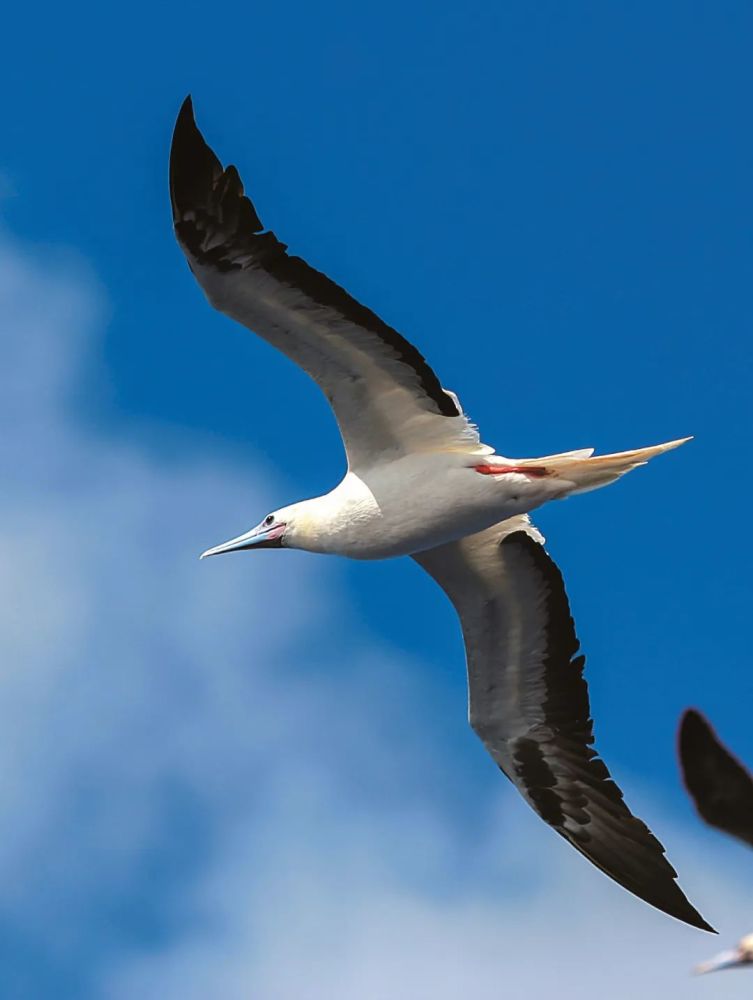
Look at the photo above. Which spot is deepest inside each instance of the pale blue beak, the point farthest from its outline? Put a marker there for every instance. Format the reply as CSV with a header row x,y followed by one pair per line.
x,y
724,960
260,537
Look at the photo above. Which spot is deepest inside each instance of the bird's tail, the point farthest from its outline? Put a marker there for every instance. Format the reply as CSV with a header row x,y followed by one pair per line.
x,y
584,471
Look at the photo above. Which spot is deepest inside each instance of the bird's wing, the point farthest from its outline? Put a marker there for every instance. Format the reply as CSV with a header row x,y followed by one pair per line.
x,y
719,785
387,400
528,701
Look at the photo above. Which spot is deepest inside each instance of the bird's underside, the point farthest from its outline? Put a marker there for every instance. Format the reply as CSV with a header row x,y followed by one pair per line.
x,y
528,699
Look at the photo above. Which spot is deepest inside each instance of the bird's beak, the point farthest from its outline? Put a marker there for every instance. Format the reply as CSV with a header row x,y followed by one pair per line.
x,y
259,537
724,960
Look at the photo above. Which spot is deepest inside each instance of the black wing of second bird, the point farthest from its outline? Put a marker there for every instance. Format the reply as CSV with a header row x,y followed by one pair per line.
x,y
719,785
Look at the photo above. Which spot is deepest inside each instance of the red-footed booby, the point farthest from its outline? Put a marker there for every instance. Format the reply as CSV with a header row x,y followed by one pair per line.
x,y
420,482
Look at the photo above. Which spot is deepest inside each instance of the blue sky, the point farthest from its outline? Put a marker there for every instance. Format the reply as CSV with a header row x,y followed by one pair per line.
x,y
214,772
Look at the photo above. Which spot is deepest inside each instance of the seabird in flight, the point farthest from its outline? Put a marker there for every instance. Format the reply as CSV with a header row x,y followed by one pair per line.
x,y
722,791
420,482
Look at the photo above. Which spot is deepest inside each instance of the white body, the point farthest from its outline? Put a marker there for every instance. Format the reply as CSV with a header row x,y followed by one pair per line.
x,y
411,505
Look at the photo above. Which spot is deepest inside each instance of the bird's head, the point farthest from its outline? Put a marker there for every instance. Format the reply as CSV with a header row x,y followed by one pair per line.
x,y
286,528
742,954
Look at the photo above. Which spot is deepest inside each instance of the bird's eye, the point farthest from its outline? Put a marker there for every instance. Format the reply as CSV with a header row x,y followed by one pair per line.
x,y
269,519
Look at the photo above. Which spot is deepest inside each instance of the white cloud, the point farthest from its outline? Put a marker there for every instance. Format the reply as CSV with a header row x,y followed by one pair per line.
x,y
220,744
337,919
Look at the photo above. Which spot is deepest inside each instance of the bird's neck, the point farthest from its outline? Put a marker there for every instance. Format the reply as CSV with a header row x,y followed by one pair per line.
x,y
329,523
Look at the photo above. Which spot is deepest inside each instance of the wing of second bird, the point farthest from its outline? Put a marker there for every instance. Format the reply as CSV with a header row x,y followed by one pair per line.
x,y
721,788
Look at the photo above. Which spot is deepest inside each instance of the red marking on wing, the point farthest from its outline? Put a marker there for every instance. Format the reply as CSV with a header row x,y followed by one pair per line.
x,y
535,471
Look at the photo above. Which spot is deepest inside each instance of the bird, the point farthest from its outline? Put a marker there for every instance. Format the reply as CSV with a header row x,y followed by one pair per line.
x,y
721,788
420,483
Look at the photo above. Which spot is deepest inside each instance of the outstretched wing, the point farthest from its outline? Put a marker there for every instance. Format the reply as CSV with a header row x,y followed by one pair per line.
x,y
387,400
721,788
528,701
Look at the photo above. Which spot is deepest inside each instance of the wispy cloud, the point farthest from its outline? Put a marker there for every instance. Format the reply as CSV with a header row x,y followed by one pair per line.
x,y
200,761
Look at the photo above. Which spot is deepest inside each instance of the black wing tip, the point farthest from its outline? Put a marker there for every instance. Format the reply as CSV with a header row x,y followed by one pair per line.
x,y
692,719
185,132
696,739
658,887
693,728
703,925
194,167
693,918
192,162
207,200
686,912
680,908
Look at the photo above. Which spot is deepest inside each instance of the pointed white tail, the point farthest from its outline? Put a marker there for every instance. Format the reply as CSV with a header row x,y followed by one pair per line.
x,y
587,473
